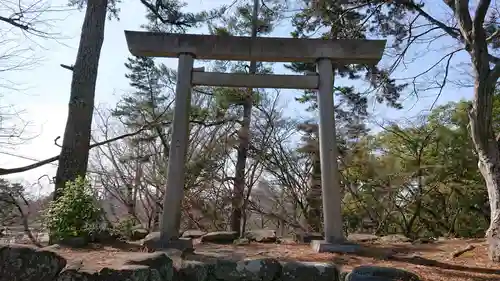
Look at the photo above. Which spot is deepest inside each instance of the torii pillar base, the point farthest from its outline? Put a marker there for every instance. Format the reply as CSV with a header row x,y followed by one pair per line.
x,y
153,242
320,246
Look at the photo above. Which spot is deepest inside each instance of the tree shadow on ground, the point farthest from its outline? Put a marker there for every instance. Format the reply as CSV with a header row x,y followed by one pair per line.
x,y
446,266
449,270
451,275
406,247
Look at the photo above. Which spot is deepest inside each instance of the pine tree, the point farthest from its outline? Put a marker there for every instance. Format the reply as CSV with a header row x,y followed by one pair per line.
x,y
74,155
148,104
240,23
350,105
73,159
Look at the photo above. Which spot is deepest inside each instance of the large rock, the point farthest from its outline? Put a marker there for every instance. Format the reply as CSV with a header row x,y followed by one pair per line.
x,y
362,237
247,270
286,240
127,272
395,238
130,273
241,241
376,273
104,236
220,237
317,271
99,235
194,271
424,240
140,267
74,242
262,235
151,238
153,242
75,272
307,237
193,233
23,263
344,275
138,234
158,261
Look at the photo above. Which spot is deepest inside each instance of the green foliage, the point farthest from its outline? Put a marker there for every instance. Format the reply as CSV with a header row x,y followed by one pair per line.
x,y
125,227
341,22
238,22
420,179
227,97
75,213
496,112
11,196
335,21
113,10
147,103
167,16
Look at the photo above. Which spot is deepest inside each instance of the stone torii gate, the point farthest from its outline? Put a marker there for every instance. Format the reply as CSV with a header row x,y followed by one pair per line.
x,y
188,47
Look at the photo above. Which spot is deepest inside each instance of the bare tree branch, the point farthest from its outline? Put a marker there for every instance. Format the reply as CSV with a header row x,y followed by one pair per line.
x,y
7,171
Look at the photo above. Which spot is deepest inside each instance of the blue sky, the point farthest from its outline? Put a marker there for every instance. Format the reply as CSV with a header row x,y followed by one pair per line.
x,y
44,92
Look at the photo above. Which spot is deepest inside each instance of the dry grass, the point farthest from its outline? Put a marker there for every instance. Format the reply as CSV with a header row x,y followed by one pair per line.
x,y
432,262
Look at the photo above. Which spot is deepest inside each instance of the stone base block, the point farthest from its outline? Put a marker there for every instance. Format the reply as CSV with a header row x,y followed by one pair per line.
x,y
155,243
320,246
178,244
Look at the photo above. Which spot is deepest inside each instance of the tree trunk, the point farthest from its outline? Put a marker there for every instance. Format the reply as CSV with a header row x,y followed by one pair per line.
x,y
74,155
489,165
487,148
314,196
132,189
241,159
244,136
156,216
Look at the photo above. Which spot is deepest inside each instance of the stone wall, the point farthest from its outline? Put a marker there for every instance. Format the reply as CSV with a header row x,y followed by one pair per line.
x,y
24,263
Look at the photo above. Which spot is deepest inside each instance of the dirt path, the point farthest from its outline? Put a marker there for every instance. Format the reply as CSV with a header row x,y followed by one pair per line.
x,y
432,262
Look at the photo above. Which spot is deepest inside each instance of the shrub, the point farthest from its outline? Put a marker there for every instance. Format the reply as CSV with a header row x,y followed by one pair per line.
x,y
75,213
125,227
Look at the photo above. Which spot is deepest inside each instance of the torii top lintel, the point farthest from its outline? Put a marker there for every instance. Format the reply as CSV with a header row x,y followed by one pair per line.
x,y
268,49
